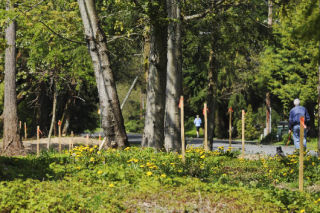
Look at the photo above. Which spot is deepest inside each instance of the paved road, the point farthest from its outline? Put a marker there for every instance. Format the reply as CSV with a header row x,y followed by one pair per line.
x,y
250,147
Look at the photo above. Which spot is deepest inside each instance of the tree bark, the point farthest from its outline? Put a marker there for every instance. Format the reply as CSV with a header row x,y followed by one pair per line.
x,y
319,102
153,135
174,78
211,96
66,117
12,143
270,6
112,120
53,119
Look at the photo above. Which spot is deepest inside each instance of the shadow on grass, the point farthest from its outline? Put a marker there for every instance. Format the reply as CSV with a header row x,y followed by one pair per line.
x,y
30,167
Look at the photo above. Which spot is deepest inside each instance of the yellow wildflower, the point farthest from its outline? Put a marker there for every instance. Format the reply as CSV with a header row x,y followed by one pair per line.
x,y
163,175
180,170
149,173
92,159
202,156
111,185
98,152
99,172
141,166
127,148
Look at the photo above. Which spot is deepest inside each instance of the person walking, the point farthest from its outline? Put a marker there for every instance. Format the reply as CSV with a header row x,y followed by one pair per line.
x,y
197,122
294,123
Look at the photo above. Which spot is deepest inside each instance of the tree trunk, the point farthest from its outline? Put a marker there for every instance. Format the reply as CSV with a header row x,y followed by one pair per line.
x,y
319,102
211,96
53,119
112,120
174,78
270,5
11,144
153,135
66,117
268,111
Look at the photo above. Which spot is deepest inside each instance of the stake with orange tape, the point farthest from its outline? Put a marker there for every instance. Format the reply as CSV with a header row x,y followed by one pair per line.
x,y
243,126
59,125
205,113
183,143
38,140
301,156
230,125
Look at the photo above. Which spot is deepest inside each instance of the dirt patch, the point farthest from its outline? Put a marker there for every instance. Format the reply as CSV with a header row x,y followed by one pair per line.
x,y
31,145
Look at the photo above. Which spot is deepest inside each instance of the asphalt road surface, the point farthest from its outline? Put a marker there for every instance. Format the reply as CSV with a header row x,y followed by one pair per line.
x,y
250,147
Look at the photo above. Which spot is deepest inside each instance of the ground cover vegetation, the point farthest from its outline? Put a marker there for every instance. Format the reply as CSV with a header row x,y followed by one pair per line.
x,y
86,179
74,62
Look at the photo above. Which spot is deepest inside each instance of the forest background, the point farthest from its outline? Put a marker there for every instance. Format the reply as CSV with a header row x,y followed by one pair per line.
x,y
230,52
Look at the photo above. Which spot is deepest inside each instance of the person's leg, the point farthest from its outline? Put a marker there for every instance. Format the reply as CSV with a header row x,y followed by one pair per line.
x,y
296,136
198,131
305,138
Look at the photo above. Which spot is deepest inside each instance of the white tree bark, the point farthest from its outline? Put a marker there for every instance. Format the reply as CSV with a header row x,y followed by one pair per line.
x,y
11,139
153,135
112,120
174,78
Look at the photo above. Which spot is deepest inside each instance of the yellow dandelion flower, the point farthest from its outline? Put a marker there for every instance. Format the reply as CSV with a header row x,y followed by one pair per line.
x,y
141,166
163,175
302,211
127,148
313,163
149,173
99,172
78,167
180,156
180,170
91,150
98,152
202,156
135,160
92,159
111,185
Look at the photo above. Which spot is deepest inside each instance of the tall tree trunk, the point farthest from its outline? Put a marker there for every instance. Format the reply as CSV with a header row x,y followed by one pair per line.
x,y
66,117
11,144
174,78
53,119
319,101
153,134
270,6
268,101
268,113
211,96
112,120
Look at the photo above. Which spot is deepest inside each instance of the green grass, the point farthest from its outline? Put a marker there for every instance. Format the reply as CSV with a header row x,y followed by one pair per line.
x,y
143,180
312,143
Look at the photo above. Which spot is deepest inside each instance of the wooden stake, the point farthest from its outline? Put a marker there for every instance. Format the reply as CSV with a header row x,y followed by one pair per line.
x,y
72,139
230,126
38,140
99,139
87,140
25,131
183,143
205,128
59,125
243,125
301,156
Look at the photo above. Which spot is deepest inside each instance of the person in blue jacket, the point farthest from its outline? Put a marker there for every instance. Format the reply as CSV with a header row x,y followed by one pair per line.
x,y
197,122
294,123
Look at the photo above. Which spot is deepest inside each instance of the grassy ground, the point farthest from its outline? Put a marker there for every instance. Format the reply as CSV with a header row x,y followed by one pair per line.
x,y
142,180
312,143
